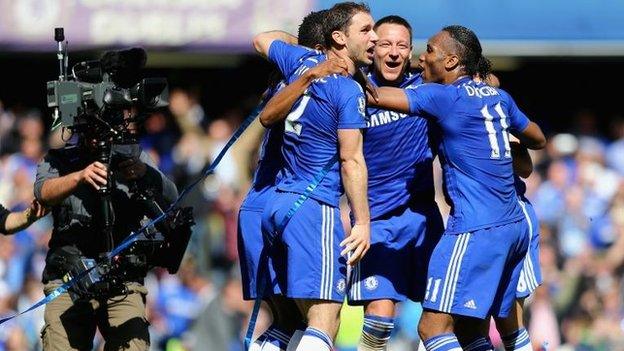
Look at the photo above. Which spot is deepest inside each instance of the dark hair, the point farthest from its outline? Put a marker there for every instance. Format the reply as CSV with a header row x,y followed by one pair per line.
x,y
469,51
393,19
311,29
339,17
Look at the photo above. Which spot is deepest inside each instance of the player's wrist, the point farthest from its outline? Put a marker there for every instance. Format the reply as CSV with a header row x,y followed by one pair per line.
x,y
312,74
29,216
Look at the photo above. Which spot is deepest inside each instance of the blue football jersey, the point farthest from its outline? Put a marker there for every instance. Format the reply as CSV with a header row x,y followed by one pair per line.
x,y
311,128
474,150
289,57
270,162
398,156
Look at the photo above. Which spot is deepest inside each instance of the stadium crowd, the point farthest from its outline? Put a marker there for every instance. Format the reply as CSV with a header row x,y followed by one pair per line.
x,y
577,189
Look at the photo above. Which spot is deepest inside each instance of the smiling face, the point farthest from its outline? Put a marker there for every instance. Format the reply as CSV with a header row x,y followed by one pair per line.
x,y
360,39
392,51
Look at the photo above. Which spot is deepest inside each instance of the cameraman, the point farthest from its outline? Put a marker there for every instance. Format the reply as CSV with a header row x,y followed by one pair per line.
x,y
67,181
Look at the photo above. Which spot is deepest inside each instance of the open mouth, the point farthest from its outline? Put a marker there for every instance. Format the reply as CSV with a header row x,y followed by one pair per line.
x,y
392,64
370,51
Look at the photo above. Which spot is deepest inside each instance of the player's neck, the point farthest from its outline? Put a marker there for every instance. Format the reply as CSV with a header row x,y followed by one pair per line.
x,y
451,77
334,53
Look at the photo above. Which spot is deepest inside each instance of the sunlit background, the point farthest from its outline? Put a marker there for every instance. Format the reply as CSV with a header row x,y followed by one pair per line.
x,y
561,60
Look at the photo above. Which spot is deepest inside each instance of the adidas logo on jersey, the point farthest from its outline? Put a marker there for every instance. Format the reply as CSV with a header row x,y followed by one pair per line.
x,y
470,304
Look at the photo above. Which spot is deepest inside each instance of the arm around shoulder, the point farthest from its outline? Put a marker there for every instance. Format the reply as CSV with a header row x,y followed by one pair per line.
x,y
262,42
390,99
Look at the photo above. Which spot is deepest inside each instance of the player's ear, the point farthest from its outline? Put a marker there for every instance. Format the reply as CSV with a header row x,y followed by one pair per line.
x,y
339,37
451,61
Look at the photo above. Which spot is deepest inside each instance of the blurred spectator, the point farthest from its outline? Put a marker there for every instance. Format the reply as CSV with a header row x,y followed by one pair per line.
x,y
185,107
159,139
615,151
218,327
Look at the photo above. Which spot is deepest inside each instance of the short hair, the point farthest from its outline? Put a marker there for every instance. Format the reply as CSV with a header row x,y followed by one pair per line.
x,y
469,51
394,19
310,32
339,18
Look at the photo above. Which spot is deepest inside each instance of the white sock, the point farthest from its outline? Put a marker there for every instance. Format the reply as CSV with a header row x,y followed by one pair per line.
x,y
295,340
517,341
315,340
256,345
272,339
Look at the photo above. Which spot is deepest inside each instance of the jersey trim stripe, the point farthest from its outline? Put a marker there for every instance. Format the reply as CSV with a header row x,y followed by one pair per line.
x,y
529,270
327,239
452,272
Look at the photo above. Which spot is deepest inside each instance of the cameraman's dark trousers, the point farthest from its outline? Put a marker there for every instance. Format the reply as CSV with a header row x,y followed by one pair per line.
x,y
120,319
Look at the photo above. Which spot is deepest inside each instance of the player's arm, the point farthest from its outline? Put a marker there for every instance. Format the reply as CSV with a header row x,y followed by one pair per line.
x,y
278,106
532,137
355,181
390,98
262,42
16,221
528,132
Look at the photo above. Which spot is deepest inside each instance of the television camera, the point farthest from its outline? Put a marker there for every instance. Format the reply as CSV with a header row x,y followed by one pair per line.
x,y
99,101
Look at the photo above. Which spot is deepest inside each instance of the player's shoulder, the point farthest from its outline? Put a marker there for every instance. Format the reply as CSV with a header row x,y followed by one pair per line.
x,y
504,94
280,44
342,84
279,48
432,89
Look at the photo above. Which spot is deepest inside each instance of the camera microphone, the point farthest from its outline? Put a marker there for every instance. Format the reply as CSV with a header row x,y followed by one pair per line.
x,y
124,66
59,34
61,54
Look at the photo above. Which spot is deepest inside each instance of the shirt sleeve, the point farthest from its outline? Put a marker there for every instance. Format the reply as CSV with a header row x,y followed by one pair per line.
x,y
45,170
518,121
429,100
286,56
351,105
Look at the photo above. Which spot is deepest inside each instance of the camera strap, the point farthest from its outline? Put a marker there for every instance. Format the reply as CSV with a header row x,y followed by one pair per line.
x,y
53,295
133,236
263,277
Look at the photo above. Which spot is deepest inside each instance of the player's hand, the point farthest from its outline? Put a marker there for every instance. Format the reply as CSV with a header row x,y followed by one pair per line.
x,y
94,174
330,66
132,169
35,211
357,243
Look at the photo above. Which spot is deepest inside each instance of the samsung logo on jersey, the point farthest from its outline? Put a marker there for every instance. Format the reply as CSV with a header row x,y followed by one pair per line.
x,y
384,117
480,91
